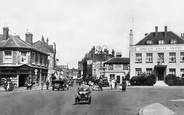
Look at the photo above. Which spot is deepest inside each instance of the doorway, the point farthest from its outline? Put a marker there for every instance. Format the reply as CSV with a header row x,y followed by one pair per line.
x,y
161,73
22,79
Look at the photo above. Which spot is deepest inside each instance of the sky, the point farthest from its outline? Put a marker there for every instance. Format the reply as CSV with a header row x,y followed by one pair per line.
x,y
78,25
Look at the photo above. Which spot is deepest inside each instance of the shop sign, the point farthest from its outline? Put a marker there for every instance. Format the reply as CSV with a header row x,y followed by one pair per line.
x,y
163,48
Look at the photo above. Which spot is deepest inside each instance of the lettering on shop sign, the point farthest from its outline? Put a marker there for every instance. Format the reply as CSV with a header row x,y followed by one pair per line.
x,y
159,48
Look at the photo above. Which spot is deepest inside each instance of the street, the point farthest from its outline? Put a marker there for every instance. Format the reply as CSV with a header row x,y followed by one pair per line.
x,y
107,102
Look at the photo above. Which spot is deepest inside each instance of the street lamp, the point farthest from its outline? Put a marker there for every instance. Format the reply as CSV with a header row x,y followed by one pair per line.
x,y
100,50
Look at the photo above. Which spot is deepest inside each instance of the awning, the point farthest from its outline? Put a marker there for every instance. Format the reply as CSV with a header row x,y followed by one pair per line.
x,y
160,66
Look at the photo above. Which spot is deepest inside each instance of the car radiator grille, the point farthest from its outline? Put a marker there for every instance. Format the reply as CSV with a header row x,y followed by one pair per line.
x,y
82,96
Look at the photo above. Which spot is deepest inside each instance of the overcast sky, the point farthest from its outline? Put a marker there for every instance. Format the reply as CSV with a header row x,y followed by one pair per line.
x,y
78,25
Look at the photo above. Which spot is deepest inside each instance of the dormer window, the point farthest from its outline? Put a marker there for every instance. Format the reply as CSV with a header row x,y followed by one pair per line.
x,y
173,41
161,42
149,42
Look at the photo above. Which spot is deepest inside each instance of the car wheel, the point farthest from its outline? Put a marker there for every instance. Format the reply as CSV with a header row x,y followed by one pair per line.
x,y
89,100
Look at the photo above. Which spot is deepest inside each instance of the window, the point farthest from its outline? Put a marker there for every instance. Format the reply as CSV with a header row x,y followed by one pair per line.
x,y
160,58
125,66
138,58
149,71
172,71
8,57
161,42
117,65
23,57
182,72
172,57
173,41
138,71
43,60
181,56
38,59
149,42
149,57
118,79
33,58
112,76
110,67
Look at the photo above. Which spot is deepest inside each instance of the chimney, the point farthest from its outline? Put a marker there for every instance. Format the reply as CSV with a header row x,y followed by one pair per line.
x,y
156,31
165,34
43,39
29,38
5,33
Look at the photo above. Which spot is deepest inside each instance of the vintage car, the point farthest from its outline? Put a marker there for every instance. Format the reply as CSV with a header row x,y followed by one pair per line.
x,y
59,84
84,95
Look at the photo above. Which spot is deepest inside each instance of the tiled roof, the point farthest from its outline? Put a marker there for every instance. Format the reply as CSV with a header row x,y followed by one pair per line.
x,y
118,60
161,36
16,42
43,47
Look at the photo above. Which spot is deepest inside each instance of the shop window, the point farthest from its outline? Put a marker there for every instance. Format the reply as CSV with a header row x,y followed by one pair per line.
x,y
8,56
138,58
118,79
172,57
172,71
138,71
149,57
110,67
160,59
181,56
112,76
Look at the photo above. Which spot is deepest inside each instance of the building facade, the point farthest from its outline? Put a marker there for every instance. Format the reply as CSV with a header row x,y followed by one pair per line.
x,y
51,51
160,53
116,68
20,61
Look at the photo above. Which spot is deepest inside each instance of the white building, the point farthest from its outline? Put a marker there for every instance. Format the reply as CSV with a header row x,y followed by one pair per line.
x,y
116,68
160,53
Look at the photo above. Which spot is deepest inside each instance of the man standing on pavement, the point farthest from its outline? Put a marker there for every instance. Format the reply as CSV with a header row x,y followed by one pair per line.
x,y
47,84
42,83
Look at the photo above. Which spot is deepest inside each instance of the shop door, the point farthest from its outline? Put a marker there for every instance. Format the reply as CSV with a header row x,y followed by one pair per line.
x,y
22,79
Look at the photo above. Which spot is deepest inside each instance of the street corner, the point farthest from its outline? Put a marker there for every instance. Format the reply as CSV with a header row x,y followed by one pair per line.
x,y
156,109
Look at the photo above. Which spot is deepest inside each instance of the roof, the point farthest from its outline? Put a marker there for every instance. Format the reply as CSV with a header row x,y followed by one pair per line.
x,y
118,60
161,36
16,42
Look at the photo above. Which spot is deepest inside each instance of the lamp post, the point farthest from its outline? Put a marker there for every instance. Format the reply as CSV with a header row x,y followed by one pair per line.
x,y
100,50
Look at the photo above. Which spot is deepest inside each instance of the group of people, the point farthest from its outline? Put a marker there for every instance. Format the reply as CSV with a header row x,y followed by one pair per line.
x,y
9,85
113,84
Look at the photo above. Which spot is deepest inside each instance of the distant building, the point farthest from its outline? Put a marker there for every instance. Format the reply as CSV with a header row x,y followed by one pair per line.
x,y
116,68
20,60
159,52
51,51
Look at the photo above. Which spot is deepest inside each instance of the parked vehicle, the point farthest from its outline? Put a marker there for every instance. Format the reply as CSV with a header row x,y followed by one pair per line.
x,y
60,84
84,95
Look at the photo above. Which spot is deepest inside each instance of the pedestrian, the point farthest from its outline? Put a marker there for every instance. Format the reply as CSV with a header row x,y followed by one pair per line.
x,y
123,84
115,84
42,83
100,84
47,84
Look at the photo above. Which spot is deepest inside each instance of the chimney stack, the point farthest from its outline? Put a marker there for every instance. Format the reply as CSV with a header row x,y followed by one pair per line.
x,y
47,41
29,38
113,53
5,33
156,31
165,35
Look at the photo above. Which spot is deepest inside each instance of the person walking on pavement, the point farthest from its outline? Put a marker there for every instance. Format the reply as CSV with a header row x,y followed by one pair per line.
x,y
47,84
100,84
123,84
42,83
